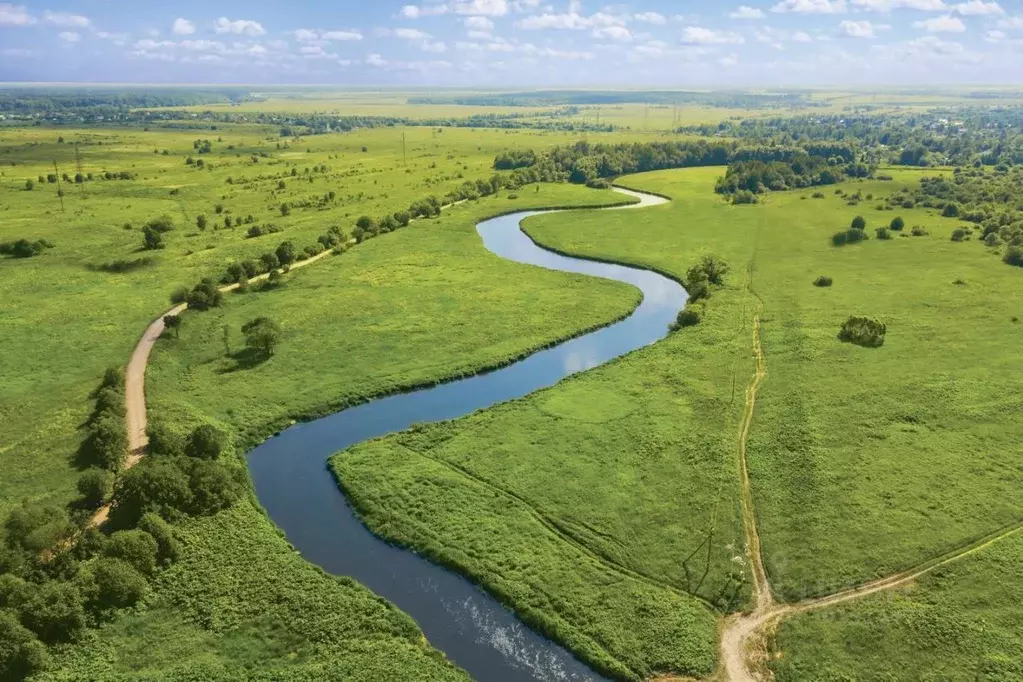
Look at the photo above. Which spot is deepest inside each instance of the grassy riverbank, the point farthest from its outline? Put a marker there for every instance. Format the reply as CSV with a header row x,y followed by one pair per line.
x,y
858,468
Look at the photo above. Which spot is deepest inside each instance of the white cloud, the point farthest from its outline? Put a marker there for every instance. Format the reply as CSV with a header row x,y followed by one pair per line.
x,y
345,35
407,33
69,36
376,60
1011,22
239,27
651,18
202,46
941,25
978,8
485,8
19,52
696,35
995,36
810,6
434,46
747,12
481,24
15,15
570,20
730,60
66,20
183,27
613,33
889,5
857,29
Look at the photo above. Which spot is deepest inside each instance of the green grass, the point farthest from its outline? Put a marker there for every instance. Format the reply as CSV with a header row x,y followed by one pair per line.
x,y
409,308
960,622
243,605
63,322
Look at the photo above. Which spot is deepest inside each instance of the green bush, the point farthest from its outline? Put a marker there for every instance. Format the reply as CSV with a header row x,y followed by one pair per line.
x,y
863,331
858,223
167,545
689,316
94,487
823,281
850,236
213,487
207,442
204,295
919,231
1013,256
36,526
156,485
135,547
114,584
960,234
108,441
164,441
53,610
21,654
883,233
897,224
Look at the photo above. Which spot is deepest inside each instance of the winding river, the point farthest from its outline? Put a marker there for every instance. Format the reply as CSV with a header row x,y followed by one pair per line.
x,y
295,487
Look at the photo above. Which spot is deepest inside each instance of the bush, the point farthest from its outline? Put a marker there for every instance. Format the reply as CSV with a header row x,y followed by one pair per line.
x,y
863,331
213,487
1013,256
918,231
21,654
897,224
207,442
744,196
858,223
94,486
53,610
115,584
179,295
960,234
883,233
951,210
163,441
689,316
850,236
285,253
107,444
23,248
167,545
154,485
204,296
823,281
36,526
30,185
135,547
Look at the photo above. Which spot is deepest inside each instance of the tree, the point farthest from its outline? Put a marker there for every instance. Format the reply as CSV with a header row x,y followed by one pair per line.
x,y
163,441
116,584
365,223
285,209
36,526
135,547
285,253
213,486
30,185
207,442
1013,256
94,486
269,262
151,239
951,210
21,654
859,223
108,443
167,545
897,224
204,296
53,610
200,222
262,335
403,218
863,331
155,485
173,323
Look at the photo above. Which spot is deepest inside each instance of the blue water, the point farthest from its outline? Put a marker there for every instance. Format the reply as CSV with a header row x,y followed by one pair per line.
x,y
294,485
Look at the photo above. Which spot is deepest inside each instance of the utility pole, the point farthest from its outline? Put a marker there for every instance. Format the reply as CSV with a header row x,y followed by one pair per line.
x,y
60,192
404,153
78,169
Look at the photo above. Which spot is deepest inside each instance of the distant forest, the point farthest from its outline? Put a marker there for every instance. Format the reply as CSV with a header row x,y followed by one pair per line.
x,y
546,98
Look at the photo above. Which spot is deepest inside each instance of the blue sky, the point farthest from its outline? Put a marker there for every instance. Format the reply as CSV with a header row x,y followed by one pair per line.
x,y
513,43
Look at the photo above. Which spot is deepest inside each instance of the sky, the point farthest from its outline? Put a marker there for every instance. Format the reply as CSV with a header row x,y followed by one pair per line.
x,y
516,43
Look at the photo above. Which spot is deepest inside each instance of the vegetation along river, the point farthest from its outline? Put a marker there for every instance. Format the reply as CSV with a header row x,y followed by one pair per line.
x,y
295,486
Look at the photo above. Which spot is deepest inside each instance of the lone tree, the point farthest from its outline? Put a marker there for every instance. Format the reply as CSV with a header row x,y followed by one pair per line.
x,y
262,335
173,322
285,253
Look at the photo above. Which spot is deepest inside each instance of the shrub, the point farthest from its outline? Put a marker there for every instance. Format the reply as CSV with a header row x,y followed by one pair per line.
x,y
179,295
285,253
213,487
204,296
94,486
823,281
135,547
21,654
201,222
163,441
151,239
269,262
863,331
897,224
167,545
883,233
207,442
262,335
53,610
156,485
107,444
919,231
950,210
744,196
1013,256
36,526
858,223
850,236
115,584
960,234
689,316
30,185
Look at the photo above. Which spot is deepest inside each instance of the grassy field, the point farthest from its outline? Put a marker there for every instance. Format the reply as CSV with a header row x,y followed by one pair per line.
x,y
100,314
857,463
411,307
959,623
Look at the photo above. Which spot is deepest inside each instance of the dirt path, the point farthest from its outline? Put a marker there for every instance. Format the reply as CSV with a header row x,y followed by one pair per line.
x,y
744,647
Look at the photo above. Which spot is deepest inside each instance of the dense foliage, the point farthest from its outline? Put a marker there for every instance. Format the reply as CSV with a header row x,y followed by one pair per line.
x,y
863,331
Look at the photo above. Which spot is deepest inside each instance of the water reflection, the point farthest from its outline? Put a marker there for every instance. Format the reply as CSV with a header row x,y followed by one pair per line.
x,y
473,629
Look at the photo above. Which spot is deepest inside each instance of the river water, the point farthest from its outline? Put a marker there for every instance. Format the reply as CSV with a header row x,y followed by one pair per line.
x,y
299,493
